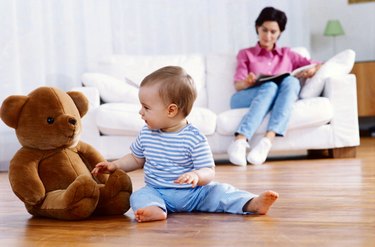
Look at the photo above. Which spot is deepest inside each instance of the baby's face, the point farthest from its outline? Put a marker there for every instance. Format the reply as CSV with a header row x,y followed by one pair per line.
x,y
153,111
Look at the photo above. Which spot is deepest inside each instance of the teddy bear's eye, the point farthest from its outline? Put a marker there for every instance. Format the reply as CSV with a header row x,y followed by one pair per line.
x,y
50,120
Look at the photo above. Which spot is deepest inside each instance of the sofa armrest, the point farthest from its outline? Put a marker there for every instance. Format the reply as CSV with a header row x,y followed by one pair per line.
x,y
92,94
342,93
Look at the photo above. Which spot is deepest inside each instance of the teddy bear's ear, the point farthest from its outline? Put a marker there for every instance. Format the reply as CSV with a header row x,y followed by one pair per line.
x,y
11,108
80,101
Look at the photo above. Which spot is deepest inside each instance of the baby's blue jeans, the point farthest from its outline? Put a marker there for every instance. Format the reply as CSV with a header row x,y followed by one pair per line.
x,y
213,197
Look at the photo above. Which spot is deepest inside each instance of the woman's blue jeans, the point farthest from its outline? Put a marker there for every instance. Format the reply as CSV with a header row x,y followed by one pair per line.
x,y
268,97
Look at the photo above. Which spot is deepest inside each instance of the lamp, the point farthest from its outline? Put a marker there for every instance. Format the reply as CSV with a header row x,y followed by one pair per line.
x,y
333,28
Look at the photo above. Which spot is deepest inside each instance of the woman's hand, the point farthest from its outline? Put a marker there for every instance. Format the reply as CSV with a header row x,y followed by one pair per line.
x,y
308,73
251,78
249,81
188,178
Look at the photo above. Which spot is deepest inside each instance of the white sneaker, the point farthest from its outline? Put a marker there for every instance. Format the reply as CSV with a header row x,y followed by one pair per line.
x,y
237,152
259,153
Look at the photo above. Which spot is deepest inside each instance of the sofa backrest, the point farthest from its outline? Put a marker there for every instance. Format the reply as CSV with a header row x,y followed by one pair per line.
x,y
220,70
213,74
219,80
132,69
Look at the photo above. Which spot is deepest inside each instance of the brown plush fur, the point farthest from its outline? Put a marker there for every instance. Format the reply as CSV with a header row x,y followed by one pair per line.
x,y
51,171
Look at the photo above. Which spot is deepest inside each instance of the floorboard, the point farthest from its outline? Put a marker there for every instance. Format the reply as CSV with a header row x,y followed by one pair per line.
x,y
323,202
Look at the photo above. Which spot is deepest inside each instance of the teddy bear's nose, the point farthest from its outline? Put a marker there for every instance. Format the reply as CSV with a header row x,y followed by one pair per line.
x,y
72,121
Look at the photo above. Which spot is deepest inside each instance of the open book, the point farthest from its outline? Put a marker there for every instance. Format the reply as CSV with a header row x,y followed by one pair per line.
x,y
279,77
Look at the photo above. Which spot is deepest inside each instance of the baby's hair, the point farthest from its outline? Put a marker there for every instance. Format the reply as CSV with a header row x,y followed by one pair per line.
x,y
176,87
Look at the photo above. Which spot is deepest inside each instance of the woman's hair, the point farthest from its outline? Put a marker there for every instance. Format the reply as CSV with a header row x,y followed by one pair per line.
x,y
271,14
176,87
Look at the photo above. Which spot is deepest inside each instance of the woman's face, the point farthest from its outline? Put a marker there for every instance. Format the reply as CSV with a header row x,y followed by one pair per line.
x,y
268,33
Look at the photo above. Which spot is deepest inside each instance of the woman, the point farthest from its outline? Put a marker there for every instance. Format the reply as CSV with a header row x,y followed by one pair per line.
x,y
275,97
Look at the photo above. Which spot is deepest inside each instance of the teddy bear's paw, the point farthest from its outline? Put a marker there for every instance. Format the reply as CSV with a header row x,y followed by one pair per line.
x,y
82,187
82,195
119,181
115,195
78,201
117,205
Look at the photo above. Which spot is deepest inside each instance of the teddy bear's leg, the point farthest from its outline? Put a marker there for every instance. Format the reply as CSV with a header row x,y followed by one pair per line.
x,y
78,201
115,194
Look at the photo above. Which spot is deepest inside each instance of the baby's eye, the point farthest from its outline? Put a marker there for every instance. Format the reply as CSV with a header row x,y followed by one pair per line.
x,y
50,120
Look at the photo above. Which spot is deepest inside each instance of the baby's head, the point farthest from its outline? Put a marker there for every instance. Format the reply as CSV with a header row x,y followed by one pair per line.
x,y
175,87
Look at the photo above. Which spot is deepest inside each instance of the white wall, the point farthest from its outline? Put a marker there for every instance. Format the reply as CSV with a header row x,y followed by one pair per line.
x,y
358,21
199,26
51,43
46,42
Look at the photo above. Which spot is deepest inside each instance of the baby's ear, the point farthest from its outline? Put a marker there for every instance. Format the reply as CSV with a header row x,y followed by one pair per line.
x,y
172,110
11,109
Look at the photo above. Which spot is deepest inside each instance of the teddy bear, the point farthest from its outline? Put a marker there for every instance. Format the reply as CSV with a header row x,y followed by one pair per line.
x,y
51,172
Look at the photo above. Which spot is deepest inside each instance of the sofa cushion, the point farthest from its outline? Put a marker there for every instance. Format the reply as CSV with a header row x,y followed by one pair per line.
x,y
124,119
204,119
220,84
119,119
302,51
340,64
306,113
110,88
136,68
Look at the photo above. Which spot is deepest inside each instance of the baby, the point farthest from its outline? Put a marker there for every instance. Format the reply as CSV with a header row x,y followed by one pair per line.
x,y
178,165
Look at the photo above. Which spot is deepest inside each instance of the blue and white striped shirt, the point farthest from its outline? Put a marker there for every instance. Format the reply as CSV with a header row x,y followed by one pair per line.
x,y
170,154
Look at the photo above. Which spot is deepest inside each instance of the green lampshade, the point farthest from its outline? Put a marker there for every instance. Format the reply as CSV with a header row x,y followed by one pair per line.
x,y
333,28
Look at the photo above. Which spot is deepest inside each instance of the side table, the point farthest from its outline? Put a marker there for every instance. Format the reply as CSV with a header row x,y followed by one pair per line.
x,y
365,73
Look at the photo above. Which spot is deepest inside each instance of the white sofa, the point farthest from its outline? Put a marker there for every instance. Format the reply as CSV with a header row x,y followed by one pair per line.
x,y
325,123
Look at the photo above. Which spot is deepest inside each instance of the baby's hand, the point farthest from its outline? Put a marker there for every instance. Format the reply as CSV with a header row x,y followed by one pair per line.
x,y
104,167
188,178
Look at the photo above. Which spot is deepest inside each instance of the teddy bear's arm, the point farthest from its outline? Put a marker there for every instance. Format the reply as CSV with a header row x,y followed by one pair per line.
x,y
24,178
91,157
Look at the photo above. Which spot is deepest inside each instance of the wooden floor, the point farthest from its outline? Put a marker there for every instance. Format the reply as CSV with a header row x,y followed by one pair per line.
x,y
326,202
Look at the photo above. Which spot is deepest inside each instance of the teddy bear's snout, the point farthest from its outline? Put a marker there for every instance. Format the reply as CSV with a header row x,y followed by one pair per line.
x,y
72,121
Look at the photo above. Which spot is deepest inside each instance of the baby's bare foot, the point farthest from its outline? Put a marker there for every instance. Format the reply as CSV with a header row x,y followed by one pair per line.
x,y
262,203
150,213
